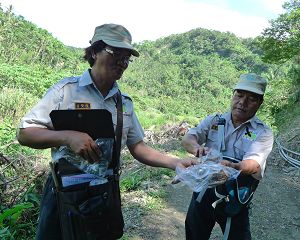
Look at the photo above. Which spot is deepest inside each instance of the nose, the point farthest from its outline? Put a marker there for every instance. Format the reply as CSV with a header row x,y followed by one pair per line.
x,y
123,62
243,101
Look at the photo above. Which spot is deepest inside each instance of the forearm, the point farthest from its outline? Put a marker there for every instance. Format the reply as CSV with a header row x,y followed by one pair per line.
x,y
189,142
152,157
247,167
41,138
79,142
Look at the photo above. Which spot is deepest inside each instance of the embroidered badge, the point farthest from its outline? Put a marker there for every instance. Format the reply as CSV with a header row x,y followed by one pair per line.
x,y
214,127
250,135
124,108
125,111
82,106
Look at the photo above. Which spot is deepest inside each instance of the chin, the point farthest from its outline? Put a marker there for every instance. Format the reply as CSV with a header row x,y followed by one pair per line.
x,y
118,77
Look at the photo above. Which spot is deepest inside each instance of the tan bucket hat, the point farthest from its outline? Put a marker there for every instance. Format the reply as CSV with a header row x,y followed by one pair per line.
x,y
252,82
114,35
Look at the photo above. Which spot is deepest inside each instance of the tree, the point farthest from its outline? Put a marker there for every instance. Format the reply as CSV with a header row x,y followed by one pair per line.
x,y
281,41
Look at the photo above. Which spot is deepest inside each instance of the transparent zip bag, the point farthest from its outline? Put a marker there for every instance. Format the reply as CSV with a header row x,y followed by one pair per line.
x,y
94,173
208,173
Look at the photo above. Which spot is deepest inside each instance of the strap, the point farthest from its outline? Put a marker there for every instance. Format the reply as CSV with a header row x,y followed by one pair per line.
x,y
115,163
221,199
228,220
227,228
53,168
221,132
251,188
201,193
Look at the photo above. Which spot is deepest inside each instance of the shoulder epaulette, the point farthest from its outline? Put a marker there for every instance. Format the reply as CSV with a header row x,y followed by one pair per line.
x,y
126,96
63,82
216,117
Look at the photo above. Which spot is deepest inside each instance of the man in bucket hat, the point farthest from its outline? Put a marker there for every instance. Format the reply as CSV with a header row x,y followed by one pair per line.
x,y
245,143
110,53
115,36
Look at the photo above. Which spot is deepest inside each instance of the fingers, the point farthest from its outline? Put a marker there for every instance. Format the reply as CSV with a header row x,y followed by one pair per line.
x,y
184,163
83,145
226,163
175,180
195,162
201,151
205,151
92,153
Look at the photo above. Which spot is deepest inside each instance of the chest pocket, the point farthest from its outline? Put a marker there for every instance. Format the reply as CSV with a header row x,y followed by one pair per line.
x,y
241,147
212,139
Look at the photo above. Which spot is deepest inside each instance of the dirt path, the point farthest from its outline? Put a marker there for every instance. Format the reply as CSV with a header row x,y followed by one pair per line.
x,y
275,213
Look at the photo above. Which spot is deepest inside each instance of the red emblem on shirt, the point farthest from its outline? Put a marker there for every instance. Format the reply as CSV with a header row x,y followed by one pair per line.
x,y
214,127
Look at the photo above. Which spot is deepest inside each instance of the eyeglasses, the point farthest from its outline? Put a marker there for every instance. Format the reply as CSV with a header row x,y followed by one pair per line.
x,y
119,56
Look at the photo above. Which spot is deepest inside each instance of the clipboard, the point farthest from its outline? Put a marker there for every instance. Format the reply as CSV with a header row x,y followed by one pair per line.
x,y
95,122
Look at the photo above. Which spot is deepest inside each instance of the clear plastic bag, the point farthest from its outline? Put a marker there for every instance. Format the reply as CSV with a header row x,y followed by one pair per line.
x,y
207,174
94,173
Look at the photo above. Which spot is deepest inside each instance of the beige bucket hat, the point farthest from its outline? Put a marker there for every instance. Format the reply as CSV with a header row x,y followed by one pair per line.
x,y
252,82
114,35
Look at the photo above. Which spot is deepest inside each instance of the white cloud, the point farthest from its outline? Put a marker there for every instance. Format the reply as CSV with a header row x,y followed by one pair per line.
x,y
73,22
274,6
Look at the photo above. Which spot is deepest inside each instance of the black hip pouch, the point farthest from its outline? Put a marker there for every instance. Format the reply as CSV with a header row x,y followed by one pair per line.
x,y
91,212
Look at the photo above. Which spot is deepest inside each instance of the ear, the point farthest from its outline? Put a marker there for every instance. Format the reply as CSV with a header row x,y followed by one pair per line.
x,y
261,101
94,56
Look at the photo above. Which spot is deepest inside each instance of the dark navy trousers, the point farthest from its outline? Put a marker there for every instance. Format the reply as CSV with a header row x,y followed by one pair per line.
x,y
201,218
49,225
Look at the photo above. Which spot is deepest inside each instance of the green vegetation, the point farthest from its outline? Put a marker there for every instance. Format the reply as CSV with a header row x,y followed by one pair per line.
x,y
182,77
280,42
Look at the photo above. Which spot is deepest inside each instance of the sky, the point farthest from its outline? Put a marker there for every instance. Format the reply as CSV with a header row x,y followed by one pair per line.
x,y
73,21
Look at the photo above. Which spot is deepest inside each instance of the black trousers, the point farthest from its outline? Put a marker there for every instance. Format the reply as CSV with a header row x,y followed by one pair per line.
x,y
49,225
201,218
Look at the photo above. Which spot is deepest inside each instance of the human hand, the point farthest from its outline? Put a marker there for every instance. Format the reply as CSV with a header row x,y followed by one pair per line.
x,y
186,162
200,151
230,164
83,145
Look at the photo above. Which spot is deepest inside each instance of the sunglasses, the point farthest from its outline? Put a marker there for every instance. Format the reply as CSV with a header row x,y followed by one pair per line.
x,y
119,56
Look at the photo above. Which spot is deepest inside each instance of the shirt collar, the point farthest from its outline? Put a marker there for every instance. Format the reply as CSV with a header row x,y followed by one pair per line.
x,y
252,121
86,80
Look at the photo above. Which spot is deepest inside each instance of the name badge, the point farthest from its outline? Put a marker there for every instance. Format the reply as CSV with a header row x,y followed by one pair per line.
x,y
82,106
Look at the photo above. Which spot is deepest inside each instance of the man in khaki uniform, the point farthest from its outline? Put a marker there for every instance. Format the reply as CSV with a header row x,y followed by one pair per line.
x,y
109,55
246,139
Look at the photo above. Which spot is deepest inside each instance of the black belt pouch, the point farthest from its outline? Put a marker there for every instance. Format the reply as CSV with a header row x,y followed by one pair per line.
x,y
91,212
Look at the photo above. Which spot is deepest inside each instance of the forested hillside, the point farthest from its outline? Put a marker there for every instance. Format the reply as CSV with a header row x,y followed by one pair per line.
x,y
193,73
182,77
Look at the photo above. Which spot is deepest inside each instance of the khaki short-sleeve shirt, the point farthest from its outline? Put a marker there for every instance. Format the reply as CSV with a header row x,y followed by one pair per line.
x,y
80,93
251,140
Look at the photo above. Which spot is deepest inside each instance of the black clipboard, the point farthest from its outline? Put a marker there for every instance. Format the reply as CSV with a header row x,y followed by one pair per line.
x,y
95,122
